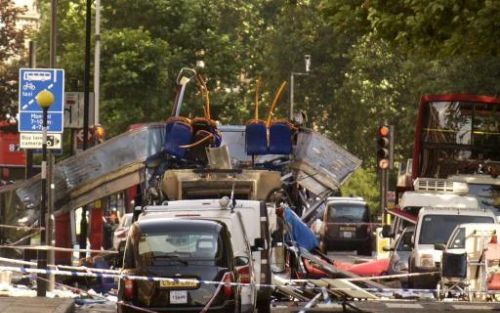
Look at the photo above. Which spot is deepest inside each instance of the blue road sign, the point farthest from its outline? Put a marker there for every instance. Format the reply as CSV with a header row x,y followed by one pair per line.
x,y
31,82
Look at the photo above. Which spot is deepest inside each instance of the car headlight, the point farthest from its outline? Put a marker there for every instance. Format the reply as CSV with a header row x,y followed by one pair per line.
x,y
426,260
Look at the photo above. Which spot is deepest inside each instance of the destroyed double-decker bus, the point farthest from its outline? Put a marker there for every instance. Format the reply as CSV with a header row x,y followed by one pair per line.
x,y
457,137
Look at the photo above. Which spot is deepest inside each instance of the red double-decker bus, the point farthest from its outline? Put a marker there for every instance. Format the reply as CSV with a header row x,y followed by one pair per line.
x,y
458,137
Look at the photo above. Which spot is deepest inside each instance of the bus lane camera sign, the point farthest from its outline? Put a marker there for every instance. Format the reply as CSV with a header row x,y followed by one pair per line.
x,y
31,82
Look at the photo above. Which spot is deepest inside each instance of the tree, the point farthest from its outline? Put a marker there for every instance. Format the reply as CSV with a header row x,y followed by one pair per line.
x,y
11,48
440,27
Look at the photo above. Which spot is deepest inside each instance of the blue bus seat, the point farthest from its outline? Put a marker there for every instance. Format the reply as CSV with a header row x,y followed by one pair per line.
x,y
178,132
256,137
280,138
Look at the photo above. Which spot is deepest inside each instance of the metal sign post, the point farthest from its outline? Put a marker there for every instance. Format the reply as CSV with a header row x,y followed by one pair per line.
x,y
44,99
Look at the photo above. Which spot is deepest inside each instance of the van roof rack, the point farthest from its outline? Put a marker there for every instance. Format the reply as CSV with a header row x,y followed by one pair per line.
x,y
440,185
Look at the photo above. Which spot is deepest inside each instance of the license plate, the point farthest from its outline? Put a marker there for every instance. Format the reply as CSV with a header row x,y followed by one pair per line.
x,y
183,284
347,228
347,234
178,296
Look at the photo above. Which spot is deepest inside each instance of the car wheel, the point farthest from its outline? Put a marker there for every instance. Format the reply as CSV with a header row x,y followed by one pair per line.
x,y
264,306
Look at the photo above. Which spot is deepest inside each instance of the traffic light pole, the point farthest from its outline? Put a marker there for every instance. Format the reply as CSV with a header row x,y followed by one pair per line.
x,y
383,190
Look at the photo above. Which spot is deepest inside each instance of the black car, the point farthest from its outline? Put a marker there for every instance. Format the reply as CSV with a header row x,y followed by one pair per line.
x,y
346,226
196,250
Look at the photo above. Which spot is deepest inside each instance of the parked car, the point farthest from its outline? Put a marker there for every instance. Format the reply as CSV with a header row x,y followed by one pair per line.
x,y
246,226
400,253
346,226
121,231
191,248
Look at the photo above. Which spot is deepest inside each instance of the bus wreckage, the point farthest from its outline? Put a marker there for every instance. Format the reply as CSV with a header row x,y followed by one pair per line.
x,y
292,170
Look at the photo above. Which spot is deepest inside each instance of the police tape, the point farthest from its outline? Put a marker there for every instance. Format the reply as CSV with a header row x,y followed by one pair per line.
x,y
352,224
52,248
21,227
78,268
96,295
193,281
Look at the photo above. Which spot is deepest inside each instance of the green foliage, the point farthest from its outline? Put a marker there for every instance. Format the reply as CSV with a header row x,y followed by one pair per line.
x,y
133,77
371,61
363,183
11,49
439,27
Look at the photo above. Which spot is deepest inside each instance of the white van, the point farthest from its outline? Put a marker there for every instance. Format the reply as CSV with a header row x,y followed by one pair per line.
x,y
434,226
431,192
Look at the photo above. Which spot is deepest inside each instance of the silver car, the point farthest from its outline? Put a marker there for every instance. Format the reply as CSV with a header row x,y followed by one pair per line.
x,y
400,253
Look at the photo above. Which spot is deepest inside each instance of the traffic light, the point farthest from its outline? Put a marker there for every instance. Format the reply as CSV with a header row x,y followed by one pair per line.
x,y
384,147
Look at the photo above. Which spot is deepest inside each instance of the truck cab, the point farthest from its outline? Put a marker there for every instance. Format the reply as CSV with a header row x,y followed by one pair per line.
x,y
430,192
434,226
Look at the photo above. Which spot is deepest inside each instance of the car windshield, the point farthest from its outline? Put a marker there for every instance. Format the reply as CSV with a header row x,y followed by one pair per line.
x,y
437,228
346,212
187,244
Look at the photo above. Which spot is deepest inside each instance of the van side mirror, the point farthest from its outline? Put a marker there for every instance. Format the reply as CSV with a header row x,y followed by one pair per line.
x,y
387,231
258,244
440,246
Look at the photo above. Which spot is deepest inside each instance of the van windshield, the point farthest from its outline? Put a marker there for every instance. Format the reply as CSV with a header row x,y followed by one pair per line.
x,y
346,212
437,228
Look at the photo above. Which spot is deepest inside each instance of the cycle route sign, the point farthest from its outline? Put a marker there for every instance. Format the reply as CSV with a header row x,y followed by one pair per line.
x,y
31,82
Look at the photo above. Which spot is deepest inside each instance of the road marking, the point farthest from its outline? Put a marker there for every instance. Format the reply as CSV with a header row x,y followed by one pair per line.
x,y
404,306
471,307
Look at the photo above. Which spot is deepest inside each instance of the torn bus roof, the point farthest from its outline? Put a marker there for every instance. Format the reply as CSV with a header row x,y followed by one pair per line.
x,y
322,164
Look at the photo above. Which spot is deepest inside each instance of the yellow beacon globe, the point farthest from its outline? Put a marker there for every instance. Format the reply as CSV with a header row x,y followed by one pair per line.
x,y
45,98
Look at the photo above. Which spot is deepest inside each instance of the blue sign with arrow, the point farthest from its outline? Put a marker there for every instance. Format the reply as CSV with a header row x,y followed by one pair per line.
x,y
31,82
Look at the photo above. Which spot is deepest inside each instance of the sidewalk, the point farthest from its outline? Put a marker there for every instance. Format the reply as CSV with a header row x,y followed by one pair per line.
x,y
36,305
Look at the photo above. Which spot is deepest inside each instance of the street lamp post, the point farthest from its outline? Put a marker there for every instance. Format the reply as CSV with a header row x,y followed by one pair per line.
x,y
307,60
44,99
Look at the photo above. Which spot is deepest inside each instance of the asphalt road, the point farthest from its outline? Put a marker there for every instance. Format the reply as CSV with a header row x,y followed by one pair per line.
x,y
364,306
356,306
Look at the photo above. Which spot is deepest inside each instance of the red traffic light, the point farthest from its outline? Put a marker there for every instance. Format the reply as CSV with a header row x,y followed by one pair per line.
x,y
383,131
384,146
